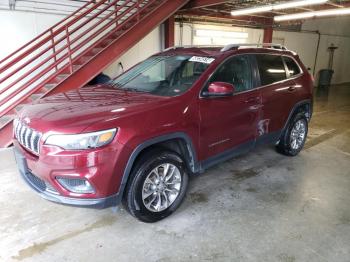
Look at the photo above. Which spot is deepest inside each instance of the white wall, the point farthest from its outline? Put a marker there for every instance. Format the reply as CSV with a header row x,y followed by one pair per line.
x,y
335,25
335,31
149,45
304,44
17,28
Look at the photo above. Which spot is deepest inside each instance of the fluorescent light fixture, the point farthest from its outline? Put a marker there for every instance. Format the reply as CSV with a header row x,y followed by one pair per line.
x,y
267,8
329,12
294,4
254,10
223,34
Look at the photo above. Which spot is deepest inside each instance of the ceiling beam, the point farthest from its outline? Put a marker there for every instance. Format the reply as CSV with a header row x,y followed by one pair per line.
x,y
202,3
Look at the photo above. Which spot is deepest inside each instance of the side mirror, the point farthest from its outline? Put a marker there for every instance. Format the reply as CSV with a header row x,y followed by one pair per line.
x,y
219,89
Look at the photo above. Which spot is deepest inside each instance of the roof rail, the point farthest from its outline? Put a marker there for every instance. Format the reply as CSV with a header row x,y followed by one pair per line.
x,y
268,45
193,46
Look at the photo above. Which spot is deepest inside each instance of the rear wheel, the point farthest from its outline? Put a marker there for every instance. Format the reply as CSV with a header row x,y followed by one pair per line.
x,y
157,186
294,136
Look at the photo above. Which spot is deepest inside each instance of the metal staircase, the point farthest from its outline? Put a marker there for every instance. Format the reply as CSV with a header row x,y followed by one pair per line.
x,y
75,50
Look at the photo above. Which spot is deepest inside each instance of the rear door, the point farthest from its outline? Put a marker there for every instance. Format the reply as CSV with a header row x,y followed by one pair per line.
x,y
276,91
295,76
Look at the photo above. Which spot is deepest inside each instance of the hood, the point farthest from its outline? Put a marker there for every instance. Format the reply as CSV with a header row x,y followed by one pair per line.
x,y
76,110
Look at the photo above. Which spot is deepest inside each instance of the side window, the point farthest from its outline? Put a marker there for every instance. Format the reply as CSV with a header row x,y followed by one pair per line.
x,y
271,69
236,71
292,67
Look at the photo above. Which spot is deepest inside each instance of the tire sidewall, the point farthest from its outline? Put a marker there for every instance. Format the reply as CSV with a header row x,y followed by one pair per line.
x,y
135,196
286,141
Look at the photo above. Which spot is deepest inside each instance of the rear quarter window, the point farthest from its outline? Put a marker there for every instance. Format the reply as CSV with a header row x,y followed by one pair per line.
x,y
271,69
292,66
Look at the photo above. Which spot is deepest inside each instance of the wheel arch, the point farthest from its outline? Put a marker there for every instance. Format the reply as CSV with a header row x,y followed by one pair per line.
x,y
179,142
304,106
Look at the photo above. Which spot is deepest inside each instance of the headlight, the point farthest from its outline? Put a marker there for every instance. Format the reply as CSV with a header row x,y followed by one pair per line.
x,y
82,141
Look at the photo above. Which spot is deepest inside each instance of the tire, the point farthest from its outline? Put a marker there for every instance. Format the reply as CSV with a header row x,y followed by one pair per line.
x,y
293,139
144,198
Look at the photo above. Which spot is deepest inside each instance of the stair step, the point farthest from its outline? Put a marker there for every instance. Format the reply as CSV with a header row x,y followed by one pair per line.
x,y
85,59
76,67
106,42
36,96
62,76
118,33
50,86
5,119
96,50
19,107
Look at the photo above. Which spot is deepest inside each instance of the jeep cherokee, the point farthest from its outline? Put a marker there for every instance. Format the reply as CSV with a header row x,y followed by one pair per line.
x,y
137,138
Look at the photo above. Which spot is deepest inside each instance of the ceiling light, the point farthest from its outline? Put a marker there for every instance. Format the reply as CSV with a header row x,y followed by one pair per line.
x,y
267,8
329,12
252,10
294,4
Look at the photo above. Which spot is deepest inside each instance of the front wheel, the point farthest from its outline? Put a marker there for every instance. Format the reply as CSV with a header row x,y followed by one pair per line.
x,y
294,137
157,186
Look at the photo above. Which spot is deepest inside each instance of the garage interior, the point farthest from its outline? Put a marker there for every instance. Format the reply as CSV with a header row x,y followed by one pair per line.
x,y
261,206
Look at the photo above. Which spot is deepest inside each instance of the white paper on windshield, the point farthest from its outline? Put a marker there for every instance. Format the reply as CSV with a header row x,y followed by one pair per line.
x,y
201,59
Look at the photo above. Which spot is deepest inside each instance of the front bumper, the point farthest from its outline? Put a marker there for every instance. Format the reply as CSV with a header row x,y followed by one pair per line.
x,y
49,193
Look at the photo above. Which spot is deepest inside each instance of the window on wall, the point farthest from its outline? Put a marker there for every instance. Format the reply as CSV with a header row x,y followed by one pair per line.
x,y
271,69
218,37
293,68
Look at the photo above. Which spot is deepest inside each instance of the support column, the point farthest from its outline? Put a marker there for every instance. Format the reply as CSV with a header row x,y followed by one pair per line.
x,y
169,32
268,31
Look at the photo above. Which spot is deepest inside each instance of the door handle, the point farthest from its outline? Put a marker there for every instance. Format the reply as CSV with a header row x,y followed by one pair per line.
x,y
292,88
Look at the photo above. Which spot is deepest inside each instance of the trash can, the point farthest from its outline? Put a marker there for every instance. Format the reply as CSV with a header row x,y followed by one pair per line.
x,y
325,77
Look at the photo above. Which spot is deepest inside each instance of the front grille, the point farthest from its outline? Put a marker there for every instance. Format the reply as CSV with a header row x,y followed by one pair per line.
x,y
27,137
36,181
40,184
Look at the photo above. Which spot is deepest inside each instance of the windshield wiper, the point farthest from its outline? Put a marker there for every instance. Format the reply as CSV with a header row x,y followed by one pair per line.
x,y
132,89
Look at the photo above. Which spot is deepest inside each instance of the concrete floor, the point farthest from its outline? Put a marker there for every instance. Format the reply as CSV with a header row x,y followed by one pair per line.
x,y
258,207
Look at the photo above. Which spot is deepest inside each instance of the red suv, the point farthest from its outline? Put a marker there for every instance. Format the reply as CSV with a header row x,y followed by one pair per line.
x,y
137,138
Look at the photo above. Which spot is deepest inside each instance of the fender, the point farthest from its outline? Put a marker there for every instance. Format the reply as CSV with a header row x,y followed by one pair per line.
x,y
294,109
193,163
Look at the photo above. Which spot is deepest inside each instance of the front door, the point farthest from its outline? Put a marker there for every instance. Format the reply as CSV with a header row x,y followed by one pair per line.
x,y
229,123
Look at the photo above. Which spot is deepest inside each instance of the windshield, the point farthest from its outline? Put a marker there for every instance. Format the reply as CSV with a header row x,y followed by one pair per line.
x,y
164,75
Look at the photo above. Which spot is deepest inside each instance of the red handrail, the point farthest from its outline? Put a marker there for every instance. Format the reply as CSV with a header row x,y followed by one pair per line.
x,y
48,38
42,34
54,43
68,46
73,54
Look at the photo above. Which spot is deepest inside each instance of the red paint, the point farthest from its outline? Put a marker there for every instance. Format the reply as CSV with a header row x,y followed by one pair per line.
x,y
169,32
203,3
268,31
220,88
213,124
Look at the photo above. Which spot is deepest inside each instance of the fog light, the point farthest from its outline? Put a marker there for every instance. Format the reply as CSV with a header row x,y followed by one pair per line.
x,y
76,185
